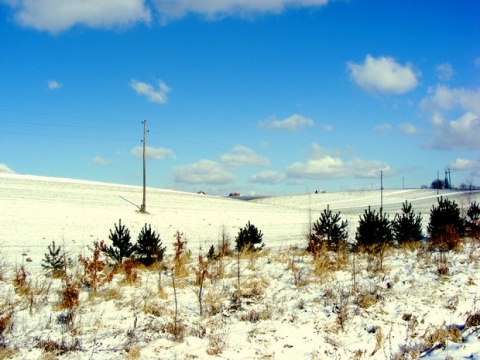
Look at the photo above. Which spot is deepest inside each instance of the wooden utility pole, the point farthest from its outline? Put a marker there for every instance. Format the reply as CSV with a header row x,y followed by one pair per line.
x,y
143,208
381,191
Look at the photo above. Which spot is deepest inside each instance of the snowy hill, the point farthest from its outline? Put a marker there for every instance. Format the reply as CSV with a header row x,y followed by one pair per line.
x,y
291,308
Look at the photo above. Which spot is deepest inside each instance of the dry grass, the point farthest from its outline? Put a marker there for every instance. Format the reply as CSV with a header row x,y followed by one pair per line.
x,y
440,335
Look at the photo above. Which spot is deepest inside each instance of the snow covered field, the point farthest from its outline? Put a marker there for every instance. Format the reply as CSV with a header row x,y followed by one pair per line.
x,y
289,309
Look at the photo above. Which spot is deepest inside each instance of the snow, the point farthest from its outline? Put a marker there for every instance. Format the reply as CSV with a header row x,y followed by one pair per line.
x,y
287,309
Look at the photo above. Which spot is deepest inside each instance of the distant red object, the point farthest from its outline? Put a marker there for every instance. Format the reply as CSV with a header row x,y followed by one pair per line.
x,y
235,194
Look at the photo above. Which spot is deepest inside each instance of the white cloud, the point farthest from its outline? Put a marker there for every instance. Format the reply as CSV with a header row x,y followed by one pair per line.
x,y
408,129
203,172
54,85
383,75
4,169
444,71
153,153
56,16
243,156
293,123
268,177
382,129
463,133
97,160
445,98
324,166
473,166
156,96
216,9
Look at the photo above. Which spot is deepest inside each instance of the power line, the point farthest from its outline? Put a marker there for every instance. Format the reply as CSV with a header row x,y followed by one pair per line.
x,y
65,136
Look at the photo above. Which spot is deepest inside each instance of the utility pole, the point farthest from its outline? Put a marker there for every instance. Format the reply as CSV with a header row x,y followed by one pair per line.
x,y
381,191
143,208
438,180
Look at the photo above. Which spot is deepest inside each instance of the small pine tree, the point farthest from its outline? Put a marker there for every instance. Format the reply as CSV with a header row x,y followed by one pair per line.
x,y
374,233
122,246
249,238
211,253
328,229
407,226
445,218
473,220
149,246
55,260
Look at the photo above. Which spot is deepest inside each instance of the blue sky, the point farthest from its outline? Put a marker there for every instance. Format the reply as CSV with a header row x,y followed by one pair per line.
x,y
271,97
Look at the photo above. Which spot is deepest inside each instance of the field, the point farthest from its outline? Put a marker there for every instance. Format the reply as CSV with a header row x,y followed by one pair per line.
x,y
278,304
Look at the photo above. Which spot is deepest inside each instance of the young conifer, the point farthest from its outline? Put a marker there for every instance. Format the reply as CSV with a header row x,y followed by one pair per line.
x,y
407,227
149,246
54,260
250,238
122,246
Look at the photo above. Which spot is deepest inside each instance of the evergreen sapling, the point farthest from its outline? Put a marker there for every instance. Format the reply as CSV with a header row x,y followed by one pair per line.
x,y
149,246
122,246
54,260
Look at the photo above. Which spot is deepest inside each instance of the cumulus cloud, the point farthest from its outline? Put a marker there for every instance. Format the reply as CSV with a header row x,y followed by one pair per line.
x,y
53,85
56,16
324,166
444,71
243,156
383,75
157,96
464,131
293,123
383,128
203,172
472,166
216,9
98,160
408,129
268,177
445,98
4,169
153,153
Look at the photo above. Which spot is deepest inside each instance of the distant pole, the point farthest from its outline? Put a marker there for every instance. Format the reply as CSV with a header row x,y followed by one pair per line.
x,y
438,180
381,191
449,179
143,209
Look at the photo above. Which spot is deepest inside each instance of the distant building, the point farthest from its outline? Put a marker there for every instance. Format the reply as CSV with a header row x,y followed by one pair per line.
x,y
234,194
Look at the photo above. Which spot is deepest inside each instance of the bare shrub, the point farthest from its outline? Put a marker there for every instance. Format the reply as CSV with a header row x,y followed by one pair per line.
x,y
181,255
70,293
96,270
254,315
131,274
224,244
59,348
473,320
439,336
5,321
20,280
368,298
217,339
201,274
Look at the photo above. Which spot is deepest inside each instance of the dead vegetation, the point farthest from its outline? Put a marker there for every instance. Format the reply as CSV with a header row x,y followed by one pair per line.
x,y
185,296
